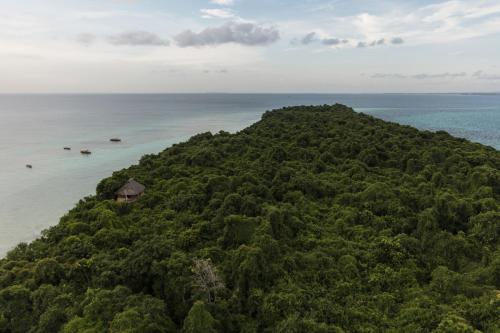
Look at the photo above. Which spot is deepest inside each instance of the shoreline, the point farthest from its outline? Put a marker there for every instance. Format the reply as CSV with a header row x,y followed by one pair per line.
x,y
212,113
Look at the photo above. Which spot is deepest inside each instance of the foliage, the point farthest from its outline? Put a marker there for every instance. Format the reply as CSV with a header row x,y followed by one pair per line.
x,y
198,320
314,219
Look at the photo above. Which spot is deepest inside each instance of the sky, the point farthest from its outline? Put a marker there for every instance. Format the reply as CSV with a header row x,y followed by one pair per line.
x,y
270,46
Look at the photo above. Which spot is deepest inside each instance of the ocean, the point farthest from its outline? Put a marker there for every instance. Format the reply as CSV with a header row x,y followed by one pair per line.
x,y
35,128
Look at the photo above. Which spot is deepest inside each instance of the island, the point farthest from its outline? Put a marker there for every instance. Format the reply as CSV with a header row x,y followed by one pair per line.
x,y
314,219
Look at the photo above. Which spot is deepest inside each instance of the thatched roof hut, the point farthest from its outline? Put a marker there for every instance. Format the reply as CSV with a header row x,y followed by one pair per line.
x,y
130,192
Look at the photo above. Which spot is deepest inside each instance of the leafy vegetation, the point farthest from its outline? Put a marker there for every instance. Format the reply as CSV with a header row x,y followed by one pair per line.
x,y
315,219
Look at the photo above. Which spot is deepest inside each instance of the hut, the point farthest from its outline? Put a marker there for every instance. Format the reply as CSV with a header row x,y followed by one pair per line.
x,y
130,192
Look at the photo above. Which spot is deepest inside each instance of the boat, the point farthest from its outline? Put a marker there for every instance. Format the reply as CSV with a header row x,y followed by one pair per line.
x,y
85,152
115,140
67,148
29,166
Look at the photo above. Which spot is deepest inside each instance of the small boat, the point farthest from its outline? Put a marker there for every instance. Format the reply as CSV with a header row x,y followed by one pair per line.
x,y
67,148
115,140
85,152
29,166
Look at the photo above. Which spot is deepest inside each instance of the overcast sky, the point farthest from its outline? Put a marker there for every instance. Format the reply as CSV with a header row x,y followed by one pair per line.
x,y
249,46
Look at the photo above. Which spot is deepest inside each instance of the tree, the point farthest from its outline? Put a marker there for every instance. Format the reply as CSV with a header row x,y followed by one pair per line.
x,y
206,279
316,219
16,308
137,320
51,320
48,270
199,320
295,324
453,323
486,227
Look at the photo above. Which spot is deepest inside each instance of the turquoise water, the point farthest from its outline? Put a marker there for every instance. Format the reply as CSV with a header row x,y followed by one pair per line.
x,y
35,128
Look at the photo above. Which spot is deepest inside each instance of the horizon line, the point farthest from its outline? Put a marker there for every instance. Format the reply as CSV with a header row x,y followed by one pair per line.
x,y
255,93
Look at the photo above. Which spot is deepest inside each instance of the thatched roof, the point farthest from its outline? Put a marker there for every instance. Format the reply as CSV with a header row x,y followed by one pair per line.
x,y
131,188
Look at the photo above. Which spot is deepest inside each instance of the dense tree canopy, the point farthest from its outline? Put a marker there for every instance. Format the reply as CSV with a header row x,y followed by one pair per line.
x,y
315,219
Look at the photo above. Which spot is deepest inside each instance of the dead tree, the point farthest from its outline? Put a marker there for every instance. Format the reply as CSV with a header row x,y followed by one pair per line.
x,y
206,279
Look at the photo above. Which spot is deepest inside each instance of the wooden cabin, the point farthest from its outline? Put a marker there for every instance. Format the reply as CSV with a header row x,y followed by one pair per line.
x,y
130,192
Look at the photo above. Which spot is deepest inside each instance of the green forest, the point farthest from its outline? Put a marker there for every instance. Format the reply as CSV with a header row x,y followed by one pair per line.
x,y
315,219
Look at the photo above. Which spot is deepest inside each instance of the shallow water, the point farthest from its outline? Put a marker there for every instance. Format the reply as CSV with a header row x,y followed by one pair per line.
x,y
35,128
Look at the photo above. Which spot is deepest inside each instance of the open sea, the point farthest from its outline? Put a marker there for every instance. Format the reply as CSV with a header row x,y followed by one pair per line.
x,y
35,128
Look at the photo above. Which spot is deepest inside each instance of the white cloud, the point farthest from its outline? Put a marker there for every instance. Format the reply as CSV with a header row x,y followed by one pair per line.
x,y
38,40
223,2
436,23
217,13
329,6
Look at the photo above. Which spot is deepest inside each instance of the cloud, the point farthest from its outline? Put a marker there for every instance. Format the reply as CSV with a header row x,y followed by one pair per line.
x,y
483,76
331,41
309,38
223,2
249,34
388,75
378,42
334,41
137,38
86,39
217,13
438,76
441,22
313,37
330,6
421,76
397,40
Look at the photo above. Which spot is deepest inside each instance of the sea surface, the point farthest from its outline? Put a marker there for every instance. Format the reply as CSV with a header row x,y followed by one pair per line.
x,y
35,128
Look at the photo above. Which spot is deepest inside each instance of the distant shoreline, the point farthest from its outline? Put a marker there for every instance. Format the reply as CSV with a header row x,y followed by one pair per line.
x,y
151,122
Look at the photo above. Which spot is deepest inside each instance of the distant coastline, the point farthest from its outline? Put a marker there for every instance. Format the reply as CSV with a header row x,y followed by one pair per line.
x,y
33,128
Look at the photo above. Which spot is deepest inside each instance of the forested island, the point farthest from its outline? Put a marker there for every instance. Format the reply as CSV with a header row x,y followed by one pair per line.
x,y
314,219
